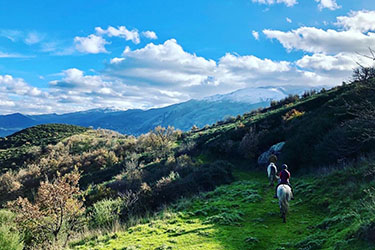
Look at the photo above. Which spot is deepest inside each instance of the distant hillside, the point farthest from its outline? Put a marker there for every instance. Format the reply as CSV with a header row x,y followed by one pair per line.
x,y
40,135
183,116
19,148
12,123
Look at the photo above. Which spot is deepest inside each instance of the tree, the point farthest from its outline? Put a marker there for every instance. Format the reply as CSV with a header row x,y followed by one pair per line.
x,y
160,140
363,73
57,209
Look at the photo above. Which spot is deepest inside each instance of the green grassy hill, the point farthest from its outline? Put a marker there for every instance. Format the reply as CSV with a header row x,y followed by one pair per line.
x,y
243,215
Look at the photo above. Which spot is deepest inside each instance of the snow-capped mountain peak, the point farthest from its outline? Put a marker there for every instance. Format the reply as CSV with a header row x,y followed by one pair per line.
x,y
250,95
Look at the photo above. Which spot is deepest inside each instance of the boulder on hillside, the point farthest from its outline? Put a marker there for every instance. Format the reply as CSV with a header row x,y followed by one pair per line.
x,y
274,149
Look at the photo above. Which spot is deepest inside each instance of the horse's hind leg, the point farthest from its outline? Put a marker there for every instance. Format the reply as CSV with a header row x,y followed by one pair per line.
x,y
271,181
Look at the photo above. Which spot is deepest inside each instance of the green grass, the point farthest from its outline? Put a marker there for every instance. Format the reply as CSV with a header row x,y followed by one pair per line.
x,y
242,215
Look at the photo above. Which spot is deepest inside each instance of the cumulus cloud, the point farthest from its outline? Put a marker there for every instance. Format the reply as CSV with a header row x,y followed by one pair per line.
x,y
288,3
121,31
149,34
344,62
164,63
18,96
17,86
91,44
167,66
255,34
311,39
362,21
116,60
329,4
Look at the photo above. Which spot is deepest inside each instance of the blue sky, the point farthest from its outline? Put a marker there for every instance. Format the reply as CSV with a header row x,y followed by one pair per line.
x,y
63,56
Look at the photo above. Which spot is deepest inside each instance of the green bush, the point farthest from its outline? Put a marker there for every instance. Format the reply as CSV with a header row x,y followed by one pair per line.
x,y
105,213
9,236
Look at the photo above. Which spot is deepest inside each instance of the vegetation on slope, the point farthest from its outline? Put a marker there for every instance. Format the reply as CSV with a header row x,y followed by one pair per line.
x,y
20,148
322,129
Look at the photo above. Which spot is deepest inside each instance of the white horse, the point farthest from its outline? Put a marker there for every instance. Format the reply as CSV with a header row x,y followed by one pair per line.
x,y
271,171
284,194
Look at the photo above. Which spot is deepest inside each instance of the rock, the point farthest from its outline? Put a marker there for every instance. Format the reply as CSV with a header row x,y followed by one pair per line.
x,y
274,149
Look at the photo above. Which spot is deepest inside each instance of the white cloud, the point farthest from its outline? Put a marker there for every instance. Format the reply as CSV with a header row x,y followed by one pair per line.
x,y
164,63
329,4
121,31
92,44
13,35
236,63
74,79
28,38
288,20
255,34
116,60
168,67
126,50
362,21
339,62
288,3
12,55
149,34
311,39
33,38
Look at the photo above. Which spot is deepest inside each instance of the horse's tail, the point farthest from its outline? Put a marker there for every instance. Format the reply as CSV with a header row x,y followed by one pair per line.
x,y
285,203
284,198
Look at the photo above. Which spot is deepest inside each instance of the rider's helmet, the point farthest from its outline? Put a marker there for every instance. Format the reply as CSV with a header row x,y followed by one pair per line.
x,y
272,158
284,166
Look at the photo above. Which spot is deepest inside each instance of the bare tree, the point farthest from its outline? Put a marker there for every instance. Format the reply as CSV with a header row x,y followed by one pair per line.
x,y
56,209
363,73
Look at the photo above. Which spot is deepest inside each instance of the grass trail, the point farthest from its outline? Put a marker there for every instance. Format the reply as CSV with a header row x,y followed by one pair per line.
x,y
242,215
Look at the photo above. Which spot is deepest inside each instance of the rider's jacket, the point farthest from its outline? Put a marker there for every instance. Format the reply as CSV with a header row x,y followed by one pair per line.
x,y
284,176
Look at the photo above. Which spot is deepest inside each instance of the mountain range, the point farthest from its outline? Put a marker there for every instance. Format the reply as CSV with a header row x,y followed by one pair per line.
x,y
199,112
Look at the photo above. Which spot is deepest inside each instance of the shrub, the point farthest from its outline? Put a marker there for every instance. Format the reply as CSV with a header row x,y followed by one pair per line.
x,y
56,209
290,115
105,213
249,144
9,235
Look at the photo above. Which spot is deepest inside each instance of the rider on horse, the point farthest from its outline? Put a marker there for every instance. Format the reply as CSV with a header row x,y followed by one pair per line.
x,y
284,178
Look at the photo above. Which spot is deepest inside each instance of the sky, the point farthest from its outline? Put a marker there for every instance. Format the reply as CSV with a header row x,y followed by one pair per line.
x,y
73,55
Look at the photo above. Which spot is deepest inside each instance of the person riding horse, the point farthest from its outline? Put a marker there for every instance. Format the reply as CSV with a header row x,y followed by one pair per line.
x,y
284,179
